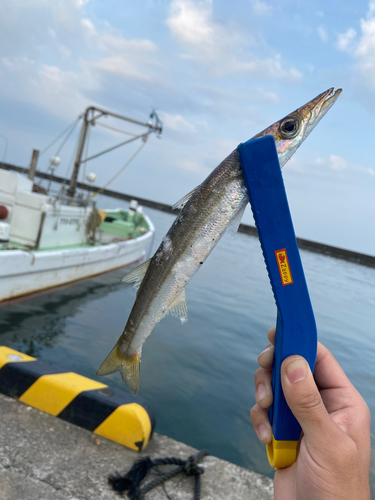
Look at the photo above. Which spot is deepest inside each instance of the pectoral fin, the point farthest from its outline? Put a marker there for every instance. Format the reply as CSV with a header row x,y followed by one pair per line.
x,y
136,275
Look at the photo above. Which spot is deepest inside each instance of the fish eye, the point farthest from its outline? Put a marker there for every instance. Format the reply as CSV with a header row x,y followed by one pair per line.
x,y
289,127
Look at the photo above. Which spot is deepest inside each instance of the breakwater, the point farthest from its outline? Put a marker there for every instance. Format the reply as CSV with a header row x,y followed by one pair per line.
x,y
312,246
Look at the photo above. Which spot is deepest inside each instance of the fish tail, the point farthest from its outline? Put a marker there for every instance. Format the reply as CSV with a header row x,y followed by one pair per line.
x,y
126,364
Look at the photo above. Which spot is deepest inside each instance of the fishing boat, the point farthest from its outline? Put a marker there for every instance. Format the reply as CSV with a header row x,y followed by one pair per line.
x,y
48,240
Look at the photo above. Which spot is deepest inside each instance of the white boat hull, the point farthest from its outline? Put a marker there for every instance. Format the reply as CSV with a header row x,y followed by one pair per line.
x,y
26,272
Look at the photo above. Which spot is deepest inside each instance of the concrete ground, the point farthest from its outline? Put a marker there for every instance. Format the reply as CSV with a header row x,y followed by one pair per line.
x,y
44,458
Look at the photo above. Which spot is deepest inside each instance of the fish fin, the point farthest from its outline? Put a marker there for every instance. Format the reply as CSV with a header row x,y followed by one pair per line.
x,y
136,275
235,224
179,308
181,203
127,365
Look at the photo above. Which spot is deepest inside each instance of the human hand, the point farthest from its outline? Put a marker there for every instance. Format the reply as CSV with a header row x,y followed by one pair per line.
x,y
333,459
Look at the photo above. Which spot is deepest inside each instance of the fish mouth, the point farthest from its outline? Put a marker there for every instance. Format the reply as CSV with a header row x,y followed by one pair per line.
x,y
329,97
323,102
318,107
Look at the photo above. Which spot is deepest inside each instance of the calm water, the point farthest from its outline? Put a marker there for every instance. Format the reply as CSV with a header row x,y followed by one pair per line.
x,y
199,376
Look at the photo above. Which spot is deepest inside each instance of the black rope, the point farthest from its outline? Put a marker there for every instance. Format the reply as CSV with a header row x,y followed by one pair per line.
x,y
130,483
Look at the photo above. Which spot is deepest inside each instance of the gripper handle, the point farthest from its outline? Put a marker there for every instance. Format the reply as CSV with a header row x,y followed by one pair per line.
x,y
295,326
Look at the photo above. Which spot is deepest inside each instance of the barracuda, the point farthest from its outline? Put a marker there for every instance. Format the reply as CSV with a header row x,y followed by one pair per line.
x,y
206,213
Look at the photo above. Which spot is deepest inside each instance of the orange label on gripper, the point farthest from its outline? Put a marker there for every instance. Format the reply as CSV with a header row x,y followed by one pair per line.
x,y
284,268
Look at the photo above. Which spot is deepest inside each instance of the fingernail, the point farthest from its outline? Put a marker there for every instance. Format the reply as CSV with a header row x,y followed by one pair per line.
x,y
296,371
263,431
266,352
261,392
266,349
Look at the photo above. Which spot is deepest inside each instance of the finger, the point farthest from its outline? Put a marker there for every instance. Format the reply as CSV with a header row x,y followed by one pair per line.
x,y
271,335
303,398
263,388
338,393
265,358
261,423
328,373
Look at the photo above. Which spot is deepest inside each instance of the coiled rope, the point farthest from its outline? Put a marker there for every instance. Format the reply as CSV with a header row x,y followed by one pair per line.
x,y
130,483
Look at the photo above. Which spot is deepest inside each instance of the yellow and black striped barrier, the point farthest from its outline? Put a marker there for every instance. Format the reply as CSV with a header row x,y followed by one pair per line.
x,y
107,412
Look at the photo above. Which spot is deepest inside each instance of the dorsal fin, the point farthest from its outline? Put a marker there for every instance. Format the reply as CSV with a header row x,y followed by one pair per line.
x,y
136,275
181,203
179,308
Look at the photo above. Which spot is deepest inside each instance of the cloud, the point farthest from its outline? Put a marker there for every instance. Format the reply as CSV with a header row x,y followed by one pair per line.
x,y
261,8
332,167
177,122
322,34
66,67
259,94
191,23
362,48
126,58
345,40
337,162
213,95
89,28
192,166
365,51
221,47
295,165
334,162
271,68
64,52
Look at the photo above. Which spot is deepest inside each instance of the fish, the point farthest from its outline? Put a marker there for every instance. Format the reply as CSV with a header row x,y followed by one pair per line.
x,y
206,213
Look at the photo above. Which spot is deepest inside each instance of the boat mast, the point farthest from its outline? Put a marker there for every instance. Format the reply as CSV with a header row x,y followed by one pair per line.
x,y
152,127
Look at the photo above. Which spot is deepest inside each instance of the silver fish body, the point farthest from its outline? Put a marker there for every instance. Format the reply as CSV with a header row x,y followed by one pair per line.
x,y
191,238
211,208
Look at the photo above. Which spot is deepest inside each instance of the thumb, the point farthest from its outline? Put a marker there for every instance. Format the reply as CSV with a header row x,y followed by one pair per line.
x,y
303,398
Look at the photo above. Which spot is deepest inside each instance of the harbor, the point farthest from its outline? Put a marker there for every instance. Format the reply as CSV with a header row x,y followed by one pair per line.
x,y
187,254
69,328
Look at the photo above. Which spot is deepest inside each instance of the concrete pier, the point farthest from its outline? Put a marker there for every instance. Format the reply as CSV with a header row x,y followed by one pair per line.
x,y
45,458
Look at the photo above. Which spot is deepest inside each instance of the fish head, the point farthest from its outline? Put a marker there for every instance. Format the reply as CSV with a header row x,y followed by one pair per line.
x,y
290,132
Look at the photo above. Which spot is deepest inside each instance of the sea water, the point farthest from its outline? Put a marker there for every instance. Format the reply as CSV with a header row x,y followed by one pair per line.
x,y
198,376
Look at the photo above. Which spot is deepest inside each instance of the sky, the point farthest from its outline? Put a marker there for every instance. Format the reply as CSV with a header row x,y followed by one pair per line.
x,y
217,73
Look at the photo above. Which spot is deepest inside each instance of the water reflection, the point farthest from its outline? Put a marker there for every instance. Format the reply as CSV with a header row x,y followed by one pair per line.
x,y
34,323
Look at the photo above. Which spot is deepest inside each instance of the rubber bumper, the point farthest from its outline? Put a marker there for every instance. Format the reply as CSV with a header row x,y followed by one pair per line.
x,y
107,412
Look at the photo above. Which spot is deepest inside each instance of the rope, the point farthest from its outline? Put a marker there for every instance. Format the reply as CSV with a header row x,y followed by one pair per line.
x,y
73,125
119,172
130,483
93,223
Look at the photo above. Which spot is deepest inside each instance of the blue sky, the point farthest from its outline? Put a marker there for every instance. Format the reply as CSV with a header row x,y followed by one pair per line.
x,y
217,72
